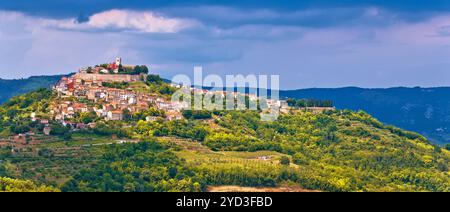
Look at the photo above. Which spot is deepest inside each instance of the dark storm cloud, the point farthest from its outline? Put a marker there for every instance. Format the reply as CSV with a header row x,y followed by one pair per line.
x,y
317,43
84,8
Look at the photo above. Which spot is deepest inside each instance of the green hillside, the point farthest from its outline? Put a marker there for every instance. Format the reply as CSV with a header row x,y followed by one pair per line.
x,y
423,110
332,151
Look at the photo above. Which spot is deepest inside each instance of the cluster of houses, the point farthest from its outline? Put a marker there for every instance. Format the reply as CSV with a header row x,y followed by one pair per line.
x,y
84,92
110,103
265,102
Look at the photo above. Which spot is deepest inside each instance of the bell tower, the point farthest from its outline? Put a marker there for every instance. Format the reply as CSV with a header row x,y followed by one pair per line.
x,y
118,61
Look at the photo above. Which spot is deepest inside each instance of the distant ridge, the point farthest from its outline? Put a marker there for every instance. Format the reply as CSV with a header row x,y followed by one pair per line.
x,y
13,87
423,110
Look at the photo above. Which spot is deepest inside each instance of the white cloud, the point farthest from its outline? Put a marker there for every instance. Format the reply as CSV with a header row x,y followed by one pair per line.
x,y
127,20
29,47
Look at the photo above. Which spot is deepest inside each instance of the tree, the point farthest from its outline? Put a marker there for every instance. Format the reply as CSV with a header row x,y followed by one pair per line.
x,y
144,69
118,85
285,161
3,170
87,118
12,185
48,153
301,103
199,133
59,130
67,136
127,116
120,68
197,114
19,128
151,78
140,70
291,102
187,114
165,89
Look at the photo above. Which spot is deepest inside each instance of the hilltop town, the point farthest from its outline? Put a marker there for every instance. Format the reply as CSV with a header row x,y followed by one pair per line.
x,y
109,92
117,92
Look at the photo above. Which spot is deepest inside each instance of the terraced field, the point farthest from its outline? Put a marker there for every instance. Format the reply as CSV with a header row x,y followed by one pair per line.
x,y
239,167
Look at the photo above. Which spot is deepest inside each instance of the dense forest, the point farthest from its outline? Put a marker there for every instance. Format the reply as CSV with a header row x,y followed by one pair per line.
x,y
146,166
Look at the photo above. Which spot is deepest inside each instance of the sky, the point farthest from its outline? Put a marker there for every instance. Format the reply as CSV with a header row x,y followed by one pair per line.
x,y
309,43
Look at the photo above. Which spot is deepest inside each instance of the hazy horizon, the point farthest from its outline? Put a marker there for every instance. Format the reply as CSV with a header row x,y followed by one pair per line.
x,y
282,89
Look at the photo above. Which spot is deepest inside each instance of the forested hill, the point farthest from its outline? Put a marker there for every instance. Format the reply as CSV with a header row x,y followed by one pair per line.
x,y
423,110
337,150
10,88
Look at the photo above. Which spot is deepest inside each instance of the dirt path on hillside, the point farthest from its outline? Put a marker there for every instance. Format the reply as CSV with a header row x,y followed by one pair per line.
x,y
254,189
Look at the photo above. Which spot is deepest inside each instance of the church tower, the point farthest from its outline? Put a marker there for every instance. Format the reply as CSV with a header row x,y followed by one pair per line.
x,y
118,61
